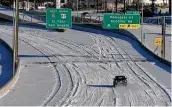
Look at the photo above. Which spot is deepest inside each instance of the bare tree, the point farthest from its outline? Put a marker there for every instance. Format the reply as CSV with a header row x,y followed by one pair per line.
x,y
137,4
153,6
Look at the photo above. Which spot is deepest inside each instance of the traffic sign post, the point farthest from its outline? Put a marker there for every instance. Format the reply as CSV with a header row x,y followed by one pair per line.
x,y
58,18
121,21
163,38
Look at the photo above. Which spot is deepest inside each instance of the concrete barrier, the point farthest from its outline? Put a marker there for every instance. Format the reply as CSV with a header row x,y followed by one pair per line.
x,y
8,86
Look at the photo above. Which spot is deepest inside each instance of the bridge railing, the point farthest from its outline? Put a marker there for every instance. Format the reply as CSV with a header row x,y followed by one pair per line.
x,y
157,20
30,18
86,20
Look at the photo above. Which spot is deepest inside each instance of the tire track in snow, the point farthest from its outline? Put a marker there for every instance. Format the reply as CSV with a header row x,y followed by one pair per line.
x,y
57,76
131,98
146,75
50,100
126,57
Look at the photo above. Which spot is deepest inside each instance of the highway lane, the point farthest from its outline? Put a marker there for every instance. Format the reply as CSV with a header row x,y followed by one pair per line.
x,y
150,31
77,68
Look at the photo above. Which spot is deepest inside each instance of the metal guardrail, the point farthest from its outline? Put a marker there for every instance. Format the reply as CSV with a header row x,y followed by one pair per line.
x,y
86,20
157,20
30,18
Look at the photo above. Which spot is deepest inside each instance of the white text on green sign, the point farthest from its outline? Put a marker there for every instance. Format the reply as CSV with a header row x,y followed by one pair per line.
x,y
58,18
121,21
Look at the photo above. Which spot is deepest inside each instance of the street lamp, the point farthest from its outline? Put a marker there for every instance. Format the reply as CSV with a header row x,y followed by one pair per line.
x,y
97,6
15,38
116,6
124,6
169,2
77,7
142,24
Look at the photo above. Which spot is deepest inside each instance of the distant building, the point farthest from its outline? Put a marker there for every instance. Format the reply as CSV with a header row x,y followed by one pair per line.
x,y
156,2
101,3
148,2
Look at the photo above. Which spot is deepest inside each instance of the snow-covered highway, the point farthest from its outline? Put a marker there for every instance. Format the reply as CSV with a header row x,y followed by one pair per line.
x,y
77,68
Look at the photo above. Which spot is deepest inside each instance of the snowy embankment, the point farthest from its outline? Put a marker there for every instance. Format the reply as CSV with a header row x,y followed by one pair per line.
x,y
77,68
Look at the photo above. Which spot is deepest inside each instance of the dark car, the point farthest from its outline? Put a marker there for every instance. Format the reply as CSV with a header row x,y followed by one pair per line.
x,y
84,14
119,79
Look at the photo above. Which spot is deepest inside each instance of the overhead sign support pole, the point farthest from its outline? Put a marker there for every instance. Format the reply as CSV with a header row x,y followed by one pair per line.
x,y
116,6
163,39
77,7
27,5
142,24
58,4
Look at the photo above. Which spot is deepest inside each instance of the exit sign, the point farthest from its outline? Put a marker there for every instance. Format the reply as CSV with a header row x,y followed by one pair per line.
x,y
121,21
58,18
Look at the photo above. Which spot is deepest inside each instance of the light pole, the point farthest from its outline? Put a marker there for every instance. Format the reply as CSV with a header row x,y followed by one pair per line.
x,y
77,7
142,24
169,2
14,10
97,6
163,38
27,5
124,6
116,6
34,4
15,38
58,4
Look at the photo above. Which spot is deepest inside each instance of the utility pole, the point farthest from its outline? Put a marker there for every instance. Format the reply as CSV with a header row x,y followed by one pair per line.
x,y
77,7
97,6
27,5
15,38
163,39
142,24
153,6
116,6
34,4
124,6
105,5
58,4
169,2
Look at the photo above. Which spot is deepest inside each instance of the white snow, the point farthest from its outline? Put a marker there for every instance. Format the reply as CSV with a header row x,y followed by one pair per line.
x,y
151,31
66,69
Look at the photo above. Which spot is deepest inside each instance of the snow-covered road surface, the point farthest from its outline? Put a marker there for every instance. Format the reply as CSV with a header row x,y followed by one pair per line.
x,y
77,68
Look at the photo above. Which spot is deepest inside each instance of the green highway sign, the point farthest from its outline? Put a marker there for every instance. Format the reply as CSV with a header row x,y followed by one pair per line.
x,y
121,21
58,18
132,12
